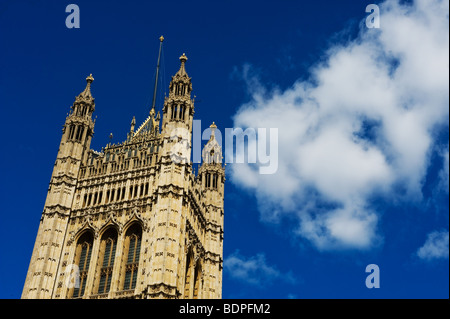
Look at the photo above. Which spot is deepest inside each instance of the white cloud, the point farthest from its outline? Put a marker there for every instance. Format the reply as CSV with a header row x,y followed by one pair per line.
x,y
351,226
435,247
361,127
253,270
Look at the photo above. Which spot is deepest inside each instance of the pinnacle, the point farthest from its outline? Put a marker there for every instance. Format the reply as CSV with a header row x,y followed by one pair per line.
x,y
182,70
87,91
90,78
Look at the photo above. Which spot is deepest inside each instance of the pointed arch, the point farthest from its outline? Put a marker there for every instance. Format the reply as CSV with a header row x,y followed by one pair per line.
x,y
135,217
87,227
111,222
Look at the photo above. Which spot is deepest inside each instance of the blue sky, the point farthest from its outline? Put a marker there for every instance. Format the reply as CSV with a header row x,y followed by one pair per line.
x,y
362,118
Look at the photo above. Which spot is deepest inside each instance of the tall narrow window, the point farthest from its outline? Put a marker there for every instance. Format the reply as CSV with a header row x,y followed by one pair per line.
x,y
132,250
187,277
214,181
118,193
174,111
107,256
82,260
197,278
71,130
80,133
77,131
208,180
181,116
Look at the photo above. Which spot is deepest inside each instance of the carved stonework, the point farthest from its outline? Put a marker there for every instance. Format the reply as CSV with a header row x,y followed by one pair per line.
x,y
136,201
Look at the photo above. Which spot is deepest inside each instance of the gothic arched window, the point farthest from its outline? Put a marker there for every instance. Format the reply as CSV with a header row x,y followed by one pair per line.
x,y
187,276
197,278
71,131
82,260
132,251
107,255
214,183
180,111
208,180
192,277
174,112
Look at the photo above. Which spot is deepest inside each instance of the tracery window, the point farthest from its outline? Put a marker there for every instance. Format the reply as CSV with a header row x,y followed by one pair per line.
x,y
132,250
82,260
107,255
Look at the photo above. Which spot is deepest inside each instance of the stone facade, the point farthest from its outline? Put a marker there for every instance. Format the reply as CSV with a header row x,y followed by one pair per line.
x,y
134,220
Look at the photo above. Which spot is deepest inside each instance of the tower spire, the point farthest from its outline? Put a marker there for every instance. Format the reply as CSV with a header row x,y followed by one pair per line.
x,y
182,70
161,39
87,91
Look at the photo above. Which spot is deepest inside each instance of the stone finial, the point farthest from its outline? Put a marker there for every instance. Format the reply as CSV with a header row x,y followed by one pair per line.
x,y
183,58
213,127
87,91
182,70
90,79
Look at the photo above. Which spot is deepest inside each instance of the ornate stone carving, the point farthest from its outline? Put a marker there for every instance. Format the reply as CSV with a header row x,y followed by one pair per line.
x,y
134,181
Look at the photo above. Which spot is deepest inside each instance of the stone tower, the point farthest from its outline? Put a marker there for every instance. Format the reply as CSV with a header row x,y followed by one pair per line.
x,y
133,220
